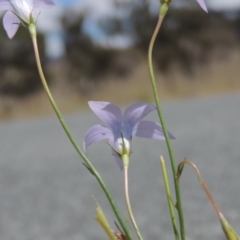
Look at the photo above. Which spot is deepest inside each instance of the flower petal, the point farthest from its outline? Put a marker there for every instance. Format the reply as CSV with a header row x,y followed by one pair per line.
x,y
11,23
23,8
134,114
95,134
43,3
202,5
148,129
110,114
5,5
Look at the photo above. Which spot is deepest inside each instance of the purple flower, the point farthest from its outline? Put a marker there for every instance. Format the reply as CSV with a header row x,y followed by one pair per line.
x,y
202,5
20,11
121,127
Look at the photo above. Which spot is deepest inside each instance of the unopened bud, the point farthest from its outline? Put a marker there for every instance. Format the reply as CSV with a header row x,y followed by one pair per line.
x,y
228,229
163,9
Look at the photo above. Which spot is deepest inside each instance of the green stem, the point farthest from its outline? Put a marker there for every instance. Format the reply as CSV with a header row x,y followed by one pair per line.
x,y
161,118
169,198
32,30
129,204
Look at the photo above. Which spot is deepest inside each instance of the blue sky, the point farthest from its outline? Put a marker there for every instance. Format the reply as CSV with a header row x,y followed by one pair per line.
x,y
212,4
66,2
49,19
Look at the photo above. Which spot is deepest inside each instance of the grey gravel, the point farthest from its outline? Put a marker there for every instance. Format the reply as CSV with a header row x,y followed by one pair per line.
x,y
46,192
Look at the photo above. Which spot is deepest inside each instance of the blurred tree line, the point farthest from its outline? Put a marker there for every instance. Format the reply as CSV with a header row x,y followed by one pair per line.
x,y
187,38
18,69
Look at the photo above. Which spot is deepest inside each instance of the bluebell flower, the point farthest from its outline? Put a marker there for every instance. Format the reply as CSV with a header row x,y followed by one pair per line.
x,y
20,11
120,127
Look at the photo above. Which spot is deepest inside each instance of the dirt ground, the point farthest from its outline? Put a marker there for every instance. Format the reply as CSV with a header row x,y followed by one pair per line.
x,y
220,76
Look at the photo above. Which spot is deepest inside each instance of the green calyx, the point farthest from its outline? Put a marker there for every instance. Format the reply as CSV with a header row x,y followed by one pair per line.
x,y
164,9
165,1
32,29
125,159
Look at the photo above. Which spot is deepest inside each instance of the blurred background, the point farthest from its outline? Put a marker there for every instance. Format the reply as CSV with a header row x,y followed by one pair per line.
x,y
98,51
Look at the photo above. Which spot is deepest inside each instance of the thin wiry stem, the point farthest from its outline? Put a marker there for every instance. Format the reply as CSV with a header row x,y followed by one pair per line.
x,y
161,118
129,204
228,230
169,198
32,30
204,185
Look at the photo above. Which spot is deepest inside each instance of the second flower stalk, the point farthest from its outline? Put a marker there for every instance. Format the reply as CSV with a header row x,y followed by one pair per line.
x,y
118,130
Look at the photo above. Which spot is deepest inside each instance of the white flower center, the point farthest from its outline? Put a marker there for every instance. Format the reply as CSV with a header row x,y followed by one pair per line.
x,y
119,146
23,8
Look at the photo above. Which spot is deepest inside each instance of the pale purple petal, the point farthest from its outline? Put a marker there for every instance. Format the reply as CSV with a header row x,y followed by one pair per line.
x,y
129,125
134,114
43,3
110,114
95,134
23,8
11,23
148,129
5,5
202,5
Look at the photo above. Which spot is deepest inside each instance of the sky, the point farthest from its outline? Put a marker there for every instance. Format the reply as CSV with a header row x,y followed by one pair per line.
x,y
212,4
99,8
49,20
223,4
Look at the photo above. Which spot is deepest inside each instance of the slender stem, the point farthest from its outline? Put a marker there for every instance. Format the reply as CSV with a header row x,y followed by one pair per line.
x,y
228,230
129,204
79,151
169,198
161,118
204,185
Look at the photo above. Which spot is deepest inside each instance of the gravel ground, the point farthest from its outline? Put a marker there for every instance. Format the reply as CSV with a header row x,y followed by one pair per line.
x,y
46,192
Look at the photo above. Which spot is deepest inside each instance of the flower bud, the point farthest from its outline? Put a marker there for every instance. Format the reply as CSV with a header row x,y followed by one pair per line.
x,y
228,229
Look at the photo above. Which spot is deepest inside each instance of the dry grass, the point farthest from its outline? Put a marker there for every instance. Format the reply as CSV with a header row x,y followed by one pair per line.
x,y
221,76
